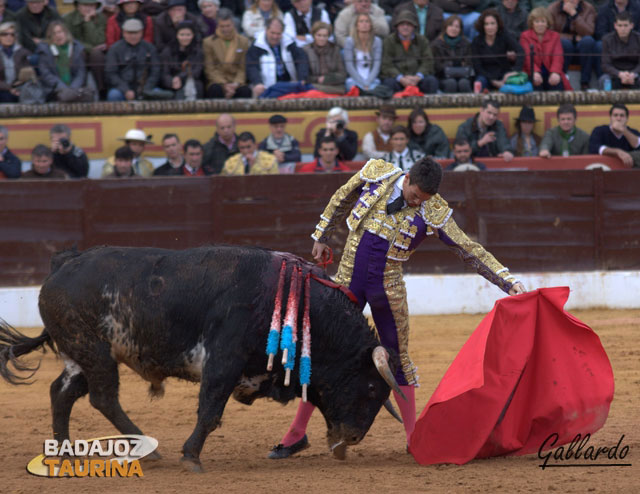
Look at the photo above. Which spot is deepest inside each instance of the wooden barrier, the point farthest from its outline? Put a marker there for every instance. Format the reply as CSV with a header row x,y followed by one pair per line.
x,y
531,221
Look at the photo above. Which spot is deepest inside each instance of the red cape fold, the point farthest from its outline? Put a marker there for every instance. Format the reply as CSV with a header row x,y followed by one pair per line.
x,y
530,369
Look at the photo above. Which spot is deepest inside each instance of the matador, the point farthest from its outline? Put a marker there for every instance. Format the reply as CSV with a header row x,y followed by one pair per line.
x,y
389,213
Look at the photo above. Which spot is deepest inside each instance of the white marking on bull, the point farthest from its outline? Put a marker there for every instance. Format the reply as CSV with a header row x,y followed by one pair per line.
x,y
70,369
117,324
195,359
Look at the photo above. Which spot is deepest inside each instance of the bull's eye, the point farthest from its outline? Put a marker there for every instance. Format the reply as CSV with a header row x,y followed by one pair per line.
x,y
372,389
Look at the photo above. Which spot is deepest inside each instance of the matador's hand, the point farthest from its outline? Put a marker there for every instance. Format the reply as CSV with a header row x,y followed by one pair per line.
x,y
517,289
318,251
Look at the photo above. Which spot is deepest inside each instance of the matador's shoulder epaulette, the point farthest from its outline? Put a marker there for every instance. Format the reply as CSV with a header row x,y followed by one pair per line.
x,y
377,170
435,212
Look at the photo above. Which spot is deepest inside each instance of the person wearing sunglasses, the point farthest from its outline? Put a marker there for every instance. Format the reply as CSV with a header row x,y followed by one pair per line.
x,y
13,58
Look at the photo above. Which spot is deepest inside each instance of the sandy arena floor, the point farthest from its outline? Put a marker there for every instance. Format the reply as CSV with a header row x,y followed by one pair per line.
x,y
235,454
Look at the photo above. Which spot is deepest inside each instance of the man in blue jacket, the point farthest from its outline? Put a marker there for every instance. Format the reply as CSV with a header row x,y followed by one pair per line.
x,y
616,139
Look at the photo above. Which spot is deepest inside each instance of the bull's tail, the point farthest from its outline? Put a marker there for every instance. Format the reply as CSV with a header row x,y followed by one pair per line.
x,y
13,345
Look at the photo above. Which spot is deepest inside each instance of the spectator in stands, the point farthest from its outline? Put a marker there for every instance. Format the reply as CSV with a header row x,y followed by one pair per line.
x,y
429,16
13,59
347,16
347,139
575,20
514,17
68,157
617,139
193,154
389,6
6,15
175,160
33,20
63,73
326,67
10,164
122,164
377,144
250,161
486,133
301,18
525,142
182,62
548,74
363,54
327,161
88,26
496,55
223,144
136,140
462,155
208,15
133,66
427,137
452,58
621,55
565,139
128,9
606,18
401,155
467,10
255,18
109,8
283,146
165,25
42,164
406,57
154,8
273,59
225,56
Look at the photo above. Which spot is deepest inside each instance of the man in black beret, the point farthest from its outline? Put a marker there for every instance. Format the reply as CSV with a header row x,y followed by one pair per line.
x,y
283,146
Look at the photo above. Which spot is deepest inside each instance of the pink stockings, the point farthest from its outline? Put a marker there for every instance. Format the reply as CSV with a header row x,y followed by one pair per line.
x,y
407,408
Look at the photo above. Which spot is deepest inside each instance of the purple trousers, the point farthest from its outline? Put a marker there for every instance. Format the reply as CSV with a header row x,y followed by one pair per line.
x,y
367,284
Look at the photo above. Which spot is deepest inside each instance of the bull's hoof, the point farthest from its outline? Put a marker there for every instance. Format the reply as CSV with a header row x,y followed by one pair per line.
x,y
339,450
191,464
278,452
154,456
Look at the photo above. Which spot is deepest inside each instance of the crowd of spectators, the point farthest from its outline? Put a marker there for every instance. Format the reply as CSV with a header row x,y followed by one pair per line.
x,y
231,153
187,49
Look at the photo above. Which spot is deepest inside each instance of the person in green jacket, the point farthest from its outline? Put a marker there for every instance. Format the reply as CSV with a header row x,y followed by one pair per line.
x,y
566,139
486,133
406,57
88,26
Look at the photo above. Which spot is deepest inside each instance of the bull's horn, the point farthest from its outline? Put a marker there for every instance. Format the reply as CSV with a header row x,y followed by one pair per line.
x,y
380,359
392,411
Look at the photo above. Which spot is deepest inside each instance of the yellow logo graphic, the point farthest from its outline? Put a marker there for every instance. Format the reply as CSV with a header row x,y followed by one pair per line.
x,y
109,456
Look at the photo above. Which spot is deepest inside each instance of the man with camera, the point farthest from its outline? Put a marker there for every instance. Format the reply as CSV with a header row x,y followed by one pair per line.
x,y
66,156
337,121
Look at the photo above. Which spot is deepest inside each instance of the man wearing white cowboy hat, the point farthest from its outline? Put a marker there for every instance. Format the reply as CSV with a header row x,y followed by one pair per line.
x,y
136,139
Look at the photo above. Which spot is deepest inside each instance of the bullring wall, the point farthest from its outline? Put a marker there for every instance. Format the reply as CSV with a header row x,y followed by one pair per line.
x,y
532,221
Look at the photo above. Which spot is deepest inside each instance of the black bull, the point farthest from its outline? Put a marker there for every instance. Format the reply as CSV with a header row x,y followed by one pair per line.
x,y
201,315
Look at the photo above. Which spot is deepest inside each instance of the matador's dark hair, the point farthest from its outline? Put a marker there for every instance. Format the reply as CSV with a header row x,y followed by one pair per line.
x,y
426,173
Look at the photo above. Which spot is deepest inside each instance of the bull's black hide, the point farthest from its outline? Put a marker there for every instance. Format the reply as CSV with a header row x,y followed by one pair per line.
x,y
202,315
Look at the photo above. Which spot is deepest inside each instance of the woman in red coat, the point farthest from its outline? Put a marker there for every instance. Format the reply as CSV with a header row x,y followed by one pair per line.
x,y
548,57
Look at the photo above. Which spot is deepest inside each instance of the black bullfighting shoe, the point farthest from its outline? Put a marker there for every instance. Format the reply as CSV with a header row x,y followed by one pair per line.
x,y
278,452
